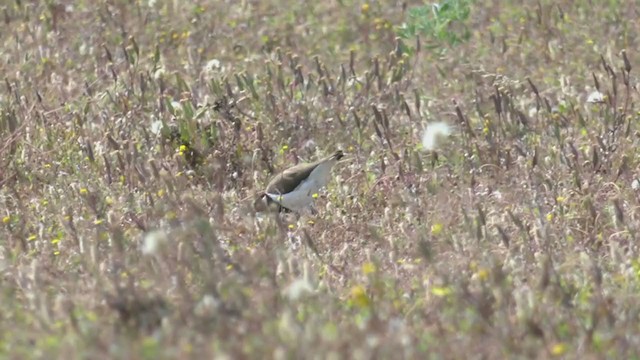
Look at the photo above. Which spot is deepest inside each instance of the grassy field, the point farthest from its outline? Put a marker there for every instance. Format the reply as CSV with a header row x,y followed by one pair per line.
x,y
135,134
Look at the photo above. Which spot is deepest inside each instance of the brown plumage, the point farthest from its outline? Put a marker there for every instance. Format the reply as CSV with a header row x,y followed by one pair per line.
x,y
291,179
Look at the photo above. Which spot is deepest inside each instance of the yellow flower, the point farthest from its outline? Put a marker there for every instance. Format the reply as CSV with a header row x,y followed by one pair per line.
x,y
291,226
368,268
485,127
364,8
441,291
359,296
31,238
84,191
315,195
6,219
559,349
436,229
182,149
483,274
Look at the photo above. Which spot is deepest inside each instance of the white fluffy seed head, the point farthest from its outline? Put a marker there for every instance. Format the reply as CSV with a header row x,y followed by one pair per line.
x,y
595,97
433,134
154,241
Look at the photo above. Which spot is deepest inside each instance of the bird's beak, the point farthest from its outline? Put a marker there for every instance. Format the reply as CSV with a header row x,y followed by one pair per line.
x,y
345,159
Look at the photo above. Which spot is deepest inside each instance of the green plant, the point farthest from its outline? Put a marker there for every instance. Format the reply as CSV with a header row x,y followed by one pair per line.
x,y
440,23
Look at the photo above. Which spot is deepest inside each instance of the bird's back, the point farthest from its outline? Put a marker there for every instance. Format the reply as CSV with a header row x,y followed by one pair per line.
x,y
287,180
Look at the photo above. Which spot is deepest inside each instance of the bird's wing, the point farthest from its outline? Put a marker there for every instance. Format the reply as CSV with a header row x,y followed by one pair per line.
x,y
288,180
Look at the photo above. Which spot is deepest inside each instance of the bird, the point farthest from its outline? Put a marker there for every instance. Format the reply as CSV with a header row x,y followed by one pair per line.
x,y
293,189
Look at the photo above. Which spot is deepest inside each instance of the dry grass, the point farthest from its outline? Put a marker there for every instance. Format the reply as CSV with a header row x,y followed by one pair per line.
x,y
134,134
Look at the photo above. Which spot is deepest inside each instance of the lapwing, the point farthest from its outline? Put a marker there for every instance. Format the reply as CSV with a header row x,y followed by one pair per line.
x,y
294,188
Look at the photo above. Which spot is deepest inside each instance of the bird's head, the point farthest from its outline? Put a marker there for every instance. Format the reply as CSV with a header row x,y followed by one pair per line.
x,y
264,203
261,202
